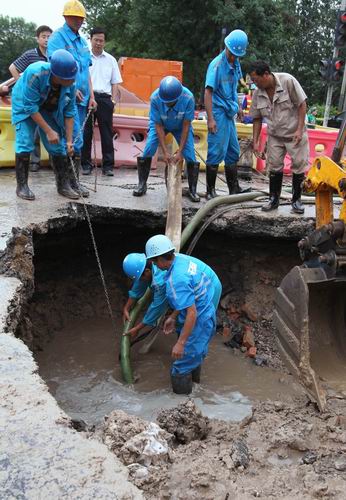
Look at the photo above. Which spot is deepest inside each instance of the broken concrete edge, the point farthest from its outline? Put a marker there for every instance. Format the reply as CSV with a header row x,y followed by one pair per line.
x,y
37,439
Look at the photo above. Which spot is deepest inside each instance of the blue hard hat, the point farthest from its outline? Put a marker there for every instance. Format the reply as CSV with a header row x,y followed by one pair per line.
x,y
170,89
237,42
134,265
158,245
63,65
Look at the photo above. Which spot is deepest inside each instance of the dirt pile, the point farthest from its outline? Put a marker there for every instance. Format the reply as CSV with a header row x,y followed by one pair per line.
x,y
185,422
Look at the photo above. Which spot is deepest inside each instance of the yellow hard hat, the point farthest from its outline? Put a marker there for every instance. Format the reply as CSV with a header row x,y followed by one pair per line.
x,y
74,8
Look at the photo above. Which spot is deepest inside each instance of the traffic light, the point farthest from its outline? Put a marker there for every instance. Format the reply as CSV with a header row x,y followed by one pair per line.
x,y
337,70
325,69
340,30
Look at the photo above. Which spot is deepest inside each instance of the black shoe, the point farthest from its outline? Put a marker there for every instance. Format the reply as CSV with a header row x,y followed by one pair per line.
x,y
275,184
192,176
74,177
196,375
231,172
108,172
182,384
22,174
297,205
34,167
143,169
211,174
87,168
63,175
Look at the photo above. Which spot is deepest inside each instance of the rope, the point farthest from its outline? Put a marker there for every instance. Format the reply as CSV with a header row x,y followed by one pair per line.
x,y
87,215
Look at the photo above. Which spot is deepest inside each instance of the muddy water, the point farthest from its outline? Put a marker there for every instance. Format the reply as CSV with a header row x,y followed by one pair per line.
x,y
81,368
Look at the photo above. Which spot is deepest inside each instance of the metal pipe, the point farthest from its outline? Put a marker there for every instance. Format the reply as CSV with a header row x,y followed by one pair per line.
x,y
125,360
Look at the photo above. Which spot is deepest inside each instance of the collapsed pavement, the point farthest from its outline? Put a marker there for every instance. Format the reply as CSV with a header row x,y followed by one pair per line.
x,y
38,428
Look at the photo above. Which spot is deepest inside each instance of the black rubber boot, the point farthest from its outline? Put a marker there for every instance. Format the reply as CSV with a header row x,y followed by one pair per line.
x,y
211,180
231,172
75,184
275,184
192,177
22,174
62,176
196,375
143,168
297,205
182,384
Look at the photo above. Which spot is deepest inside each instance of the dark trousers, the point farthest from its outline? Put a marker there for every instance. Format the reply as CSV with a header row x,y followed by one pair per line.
x,y
104,117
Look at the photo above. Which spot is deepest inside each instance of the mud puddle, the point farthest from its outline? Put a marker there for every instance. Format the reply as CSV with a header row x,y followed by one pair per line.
x,y
81,367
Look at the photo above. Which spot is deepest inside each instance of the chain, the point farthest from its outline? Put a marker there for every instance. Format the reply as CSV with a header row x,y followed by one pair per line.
x,y
87,215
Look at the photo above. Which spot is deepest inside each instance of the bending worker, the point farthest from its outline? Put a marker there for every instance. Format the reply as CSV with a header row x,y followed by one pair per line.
x,y
145,274
193,291
67,37
172,109
281,101
221,104
44,96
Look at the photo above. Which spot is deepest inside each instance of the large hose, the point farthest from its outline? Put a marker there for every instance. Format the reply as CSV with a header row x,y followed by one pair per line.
x,y
125,360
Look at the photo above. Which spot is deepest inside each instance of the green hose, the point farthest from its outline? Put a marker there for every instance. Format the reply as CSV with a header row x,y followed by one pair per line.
x,y
125,360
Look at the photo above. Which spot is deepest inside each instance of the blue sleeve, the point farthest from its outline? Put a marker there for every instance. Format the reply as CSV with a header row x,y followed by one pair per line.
x,y
211,78
31,92
190,110
138,289
154,113
55,42
157,307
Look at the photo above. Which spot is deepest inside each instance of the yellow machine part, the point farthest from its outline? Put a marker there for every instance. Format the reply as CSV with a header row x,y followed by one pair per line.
x,y
7,140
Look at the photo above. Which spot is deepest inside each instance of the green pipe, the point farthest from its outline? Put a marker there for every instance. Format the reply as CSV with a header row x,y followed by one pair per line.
x,y
125,360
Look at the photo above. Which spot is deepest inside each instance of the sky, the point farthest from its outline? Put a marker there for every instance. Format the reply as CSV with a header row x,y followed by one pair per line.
x,y
47,12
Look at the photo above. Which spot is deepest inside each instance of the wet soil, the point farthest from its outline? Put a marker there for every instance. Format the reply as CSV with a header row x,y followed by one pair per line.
x,y
280,448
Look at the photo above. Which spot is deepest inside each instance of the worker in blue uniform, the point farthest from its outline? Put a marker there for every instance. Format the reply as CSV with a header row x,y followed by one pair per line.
x,y
193,291
172,109
144,275
44,96
221,103
67,37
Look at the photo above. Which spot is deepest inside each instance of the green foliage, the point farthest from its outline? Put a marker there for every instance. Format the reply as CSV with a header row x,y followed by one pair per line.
x,y
16,36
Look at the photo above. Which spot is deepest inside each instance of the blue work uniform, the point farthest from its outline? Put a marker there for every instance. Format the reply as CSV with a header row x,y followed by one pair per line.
x,y
65,38
222,77
189,281
159,302
28,97
172,119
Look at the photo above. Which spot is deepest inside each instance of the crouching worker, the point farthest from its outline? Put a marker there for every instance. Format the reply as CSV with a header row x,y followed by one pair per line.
x,y
193,291
145,274
172,109
44,96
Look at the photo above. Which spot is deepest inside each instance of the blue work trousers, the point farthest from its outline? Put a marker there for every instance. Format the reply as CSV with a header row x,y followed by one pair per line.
x,y
153,142
223,145
25,136
77,124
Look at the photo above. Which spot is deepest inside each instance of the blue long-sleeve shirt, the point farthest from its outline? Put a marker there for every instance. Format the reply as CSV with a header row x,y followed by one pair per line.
x,y
222,77
159,302
32,90
65,38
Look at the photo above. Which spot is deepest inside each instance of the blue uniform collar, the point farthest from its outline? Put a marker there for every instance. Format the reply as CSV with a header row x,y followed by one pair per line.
x,y
170,269
231,66
71,34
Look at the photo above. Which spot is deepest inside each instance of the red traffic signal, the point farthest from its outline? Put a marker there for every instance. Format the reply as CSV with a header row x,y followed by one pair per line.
x,y
337,70
340,30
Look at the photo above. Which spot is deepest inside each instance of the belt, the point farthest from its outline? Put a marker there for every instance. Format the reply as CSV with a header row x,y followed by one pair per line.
x,y
101,94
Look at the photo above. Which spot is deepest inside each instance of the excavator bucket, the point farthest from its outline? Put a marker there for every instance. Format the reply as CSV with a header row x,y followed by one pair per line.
x,y
310,315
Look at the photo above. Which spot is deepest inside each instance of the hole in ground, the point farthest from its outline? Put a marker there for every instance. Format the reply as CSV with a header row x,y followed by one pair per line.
x,y
67,325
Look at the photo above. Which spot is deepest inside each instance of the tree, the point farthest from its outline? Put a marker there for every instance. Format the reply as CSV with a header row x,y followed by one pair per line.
x,y
16,36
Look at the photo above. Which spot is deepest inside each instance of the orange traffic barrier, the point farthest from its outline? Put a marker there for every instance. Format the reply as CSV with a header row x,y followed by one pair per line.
x,y
143,76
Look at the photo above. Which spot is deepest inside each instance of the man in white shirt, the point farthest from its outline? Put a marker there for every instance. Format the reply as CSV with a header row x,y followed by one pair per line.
x,y
105,76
